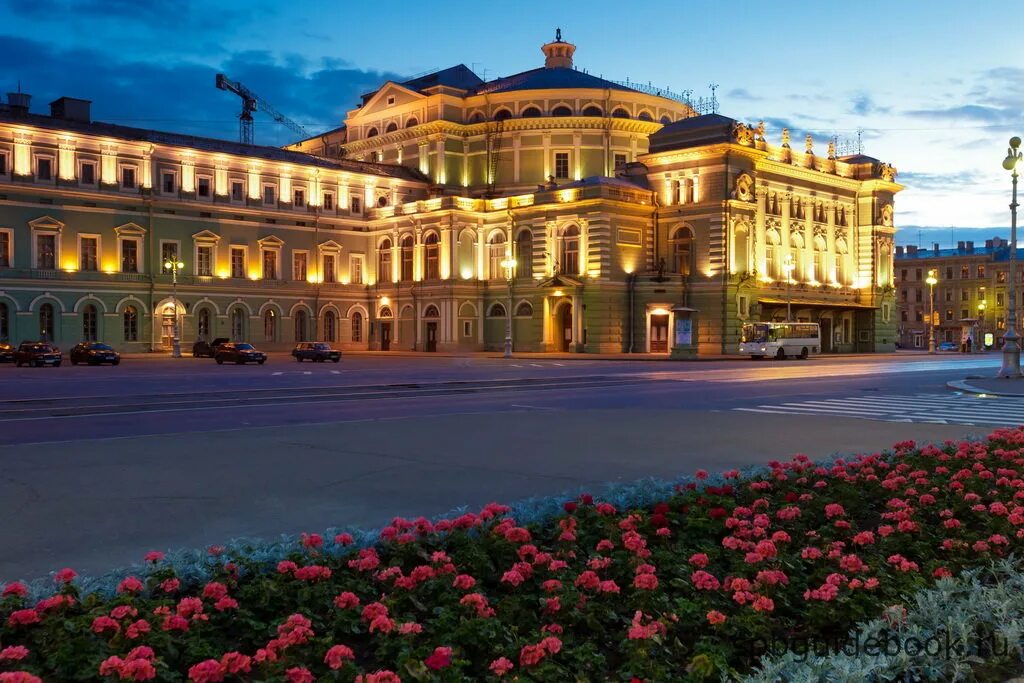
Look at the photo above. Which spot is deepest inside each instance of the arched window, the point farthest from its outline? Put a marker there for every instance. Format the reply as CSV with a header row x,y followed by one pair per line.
x,y
5,322
412,122
496,311
385,312
496,254
524,254
392,127
203,324
384,261
477,117
741,248
89,323
238,325
46,322
666,120
524,310
841,256
681,248
772,262
430,250
884,265
569,256
431,312
563,110
593,111
531,113
301,325
645,116
372,133
131,324
620,113
502,115
796,257
270,325
330,326
407,249
820,259
357,326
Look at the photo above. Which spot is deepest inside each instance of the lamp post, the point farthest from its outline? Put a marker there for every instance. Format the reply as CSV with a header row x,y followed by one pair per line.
x,y
788,267
980,344
1011,340
174,267
931,280
509,265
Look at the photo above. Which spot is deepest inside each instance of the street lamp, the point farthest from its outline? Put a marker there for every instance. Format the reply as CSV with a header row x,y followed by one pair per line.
x,y
980,345
509,265
174,267
788,266
1011,340
931,280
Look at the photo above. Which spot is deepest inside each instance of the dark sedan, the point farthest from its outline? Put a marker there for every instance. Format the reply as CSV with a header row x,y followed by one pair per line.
x,y
38,354
94,353
204,349
316,352
6,353
239,353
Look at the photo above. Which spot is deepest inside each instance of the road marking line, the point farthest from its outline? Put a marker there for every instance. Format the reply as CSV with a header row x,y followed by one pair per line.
x,y
307,372
536,365
561,365
335,372
277,373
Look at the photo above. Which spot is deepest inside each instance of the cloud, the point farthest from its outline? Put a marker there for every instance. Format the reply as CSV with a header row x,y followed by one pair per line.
x,y
862,105
743,94
940,181
180,95
994,97
967,112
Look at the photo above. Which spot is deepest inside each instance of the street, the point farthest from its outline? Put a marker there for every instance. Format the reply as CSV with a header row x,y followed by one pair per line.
x,y
102,464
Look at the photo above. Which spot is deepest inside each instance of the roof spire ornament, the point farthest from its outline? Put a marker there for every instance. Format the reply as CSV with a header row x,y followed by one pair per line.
x,y
558,53
558,35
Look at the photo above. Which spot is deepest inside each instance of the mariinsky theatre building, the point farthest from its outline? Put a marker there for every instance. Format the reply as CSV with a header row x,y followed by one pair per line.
x,y
599,217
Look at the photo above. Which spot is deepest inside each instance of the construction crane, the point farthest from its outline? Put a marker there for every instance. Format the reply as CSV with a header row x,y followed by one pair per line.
x,y
250,103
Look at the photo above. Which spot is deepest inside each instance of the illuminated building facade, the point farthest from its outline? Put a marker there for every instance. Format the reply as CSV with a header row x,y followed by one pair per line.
x,y
636,224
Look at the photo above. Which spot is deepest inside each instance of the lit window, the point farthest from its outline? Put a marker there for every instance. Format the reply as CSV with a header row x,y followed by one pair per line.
x,y
269,264
355,268
87,174
330,270
169,183
237,190
561,165
299,266
46,252
203,186
204,261
238,262
88,256
44,169
129,255
128,178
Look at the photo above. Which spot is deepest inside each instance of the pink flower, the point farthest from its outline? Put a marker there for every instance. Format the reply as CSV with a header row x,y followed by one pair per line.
x,y
23,617
834,510
409,628
130,585
208,671
225,603
170,585
236,663
19,677
286,567
17,588
501,666
137,629
153,556
312,540
464,582
715,617
299,674
513,577
384,676
343,539
531,655
699,560
313,572
763,604
65,575
338,655
346,600
645,581
214,590
13,653
441,658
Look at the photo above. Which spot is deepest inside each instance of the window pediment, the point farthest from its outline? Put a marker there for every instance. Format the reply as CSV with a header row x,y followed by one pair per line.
x,y
46,223
271,242
130,230
206,236
330,246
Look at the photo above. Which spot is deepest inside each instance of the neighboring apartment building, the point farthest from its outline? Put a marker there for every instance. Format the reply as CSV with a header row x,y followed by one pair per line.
x,y
970,295
635,224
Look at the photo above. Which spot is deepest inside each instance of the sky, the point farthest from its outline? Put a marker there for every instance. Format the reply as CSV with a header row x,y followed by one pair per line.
x,y
936,88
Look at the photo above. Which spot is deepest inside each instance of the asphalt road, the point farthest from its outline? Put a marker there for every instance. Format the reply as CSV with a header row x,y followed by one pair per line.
x,y
102,464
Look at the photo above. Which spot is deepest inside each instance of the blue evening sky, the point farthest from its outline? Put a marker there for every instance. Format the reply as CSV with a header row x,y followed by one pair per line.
x,y
937,86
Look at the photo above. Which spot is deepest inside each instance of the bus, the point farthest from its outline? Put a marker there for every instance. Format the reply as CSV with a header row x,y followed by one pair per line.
x,y
778,340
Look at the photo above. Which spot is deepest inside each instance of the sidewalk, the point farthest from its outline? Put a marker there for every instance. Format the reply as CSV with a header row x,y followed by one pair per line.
x,y
989,386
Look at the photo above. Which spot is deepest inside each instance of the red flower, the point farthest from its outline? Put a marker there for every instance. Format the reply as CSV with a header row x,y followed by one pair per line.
x,y
379,677
65,575
153,556
715,617
343,539
236,663
441,658
130,585
346,600
208,671
312,540
338,655
464,582
645,581
170,585
13,653
17,588
299,674
501,666
19,677
23,617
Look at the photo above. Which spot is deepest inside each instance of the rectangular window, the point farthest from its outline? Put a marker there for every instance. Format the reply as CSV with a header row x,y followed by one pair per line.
x,y
999,298
467,328
237,191
744,309
5,249
965,272
330,270
903,294
949,314
917,296
299,259
1001,277
917,274
87,173
269,195
620,160
203,186
561,165
204,260
46,252
981,271
44,168
355,270
169,182
918,316
129,255
88,253
328,201
357,205
238,262
128,177
963,314
299,198
168,254
3,164
949,272
269,264
949,295
965,295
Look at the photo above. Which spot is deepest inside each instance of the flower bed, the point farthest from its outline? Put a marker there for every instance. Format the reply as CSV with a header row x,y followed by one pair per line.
x,y
666,584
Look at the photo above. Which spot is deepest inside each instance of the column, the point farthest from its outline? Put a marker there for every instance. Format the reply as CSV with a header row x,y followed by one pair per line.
x,y
577,318
584,246
551,247
424,158
830,241
759,231
418,266
786,198
396,264
439,175
481,248
516,142
444,254
809,274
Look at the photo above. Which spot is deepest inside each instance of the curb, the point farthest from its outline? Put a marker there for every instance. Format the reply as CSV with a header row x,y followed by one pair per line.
x,y
962,385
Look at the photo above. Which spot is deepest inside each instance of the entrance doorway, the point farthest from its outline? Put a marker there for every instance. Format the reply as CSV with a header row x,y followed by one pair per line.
x,y
659,333
564,327
167,328
431,336
385,336
826,334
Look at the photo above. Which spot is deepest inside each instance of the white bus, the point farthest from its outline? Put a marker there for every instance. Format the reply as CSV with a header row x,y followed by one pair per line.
x,y
778,340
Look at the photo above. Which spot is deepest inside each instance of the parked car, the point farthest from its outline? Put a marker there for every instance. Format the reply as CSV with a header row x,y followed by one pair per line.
x,y
316,352
948,346
6,353
204,349
38,354
94,353
239,353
